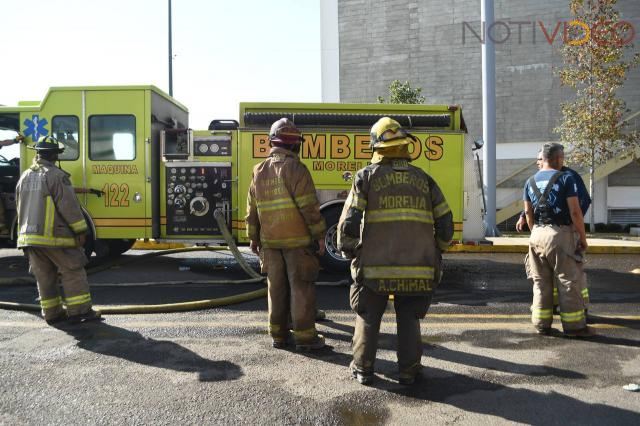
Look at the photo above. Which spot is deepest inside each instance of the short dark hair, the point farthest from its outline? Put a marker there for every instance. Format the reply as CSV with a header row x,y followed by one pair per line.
x,y
550,150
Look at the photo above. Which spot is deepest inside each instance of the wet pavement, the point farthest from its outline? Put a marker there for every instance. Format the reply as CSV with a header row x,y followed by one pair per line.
x,y
482,361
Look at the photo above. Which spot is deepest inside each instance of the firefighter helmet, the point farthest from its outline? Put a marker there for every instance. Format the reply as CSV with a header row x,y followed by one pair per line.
x,y
285,132
387,132
48,143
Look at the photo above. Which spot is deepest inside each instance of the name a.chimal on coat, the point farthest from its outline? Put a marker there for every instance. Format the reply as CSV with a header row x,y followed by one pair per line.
x,y
404,286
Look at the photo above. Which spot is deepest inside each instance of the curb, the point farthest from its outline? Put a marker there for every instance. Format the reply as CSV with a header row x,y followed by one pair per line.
x,y
516,248
154,245
457,248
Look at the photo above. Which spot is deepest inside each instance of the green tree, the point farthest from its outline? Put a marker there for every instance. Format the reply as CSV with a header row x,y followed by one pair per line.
x,y
403,93
596,61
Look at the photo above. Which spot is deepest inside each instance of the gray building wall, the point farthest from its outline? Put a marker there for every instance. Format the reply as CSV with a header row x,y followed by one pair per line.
x,y
423,41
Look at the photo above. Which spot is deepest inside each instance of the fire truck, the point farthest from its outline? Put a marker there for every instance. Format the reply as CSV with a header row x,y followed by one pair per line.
x,y
140,171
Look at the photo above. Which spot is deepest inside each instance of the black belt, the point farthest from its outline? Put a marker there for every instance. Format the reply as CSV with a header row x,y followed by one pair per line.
x,y
551,223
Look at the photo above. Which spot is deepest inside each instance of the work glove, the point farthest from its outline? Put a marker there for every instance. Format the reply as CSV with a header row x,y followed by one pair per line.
x,y
81,239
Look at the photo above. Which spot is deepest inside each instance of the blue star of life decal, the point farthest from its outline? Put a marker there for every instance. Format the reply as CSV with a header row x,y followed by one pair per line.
x,y
35,127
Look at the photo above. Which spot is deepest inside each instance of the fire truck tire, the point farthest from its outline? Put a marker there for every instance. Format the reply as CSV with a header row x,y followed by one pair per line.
x,y
332,260
118,247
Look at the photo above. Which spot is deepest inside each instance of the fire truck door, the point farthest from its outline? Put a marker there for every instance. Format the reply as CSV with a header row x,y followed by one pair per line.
x,y
115,163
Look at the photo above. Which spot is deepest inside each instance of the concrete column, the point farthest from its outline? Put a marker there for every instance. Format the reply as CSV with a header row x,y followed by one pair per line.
x,y
330,50
489,119
601,204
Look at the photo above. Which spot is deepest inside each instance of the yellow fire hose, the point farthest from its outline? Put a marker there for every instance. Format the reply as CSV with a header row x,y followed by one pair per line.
x,y
168,307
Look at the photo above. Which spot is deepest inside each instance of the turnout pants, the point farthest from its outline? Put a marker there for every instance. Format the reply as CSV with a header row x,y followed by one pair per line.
x,y
551,254
369,307
583,283
45,264
291,274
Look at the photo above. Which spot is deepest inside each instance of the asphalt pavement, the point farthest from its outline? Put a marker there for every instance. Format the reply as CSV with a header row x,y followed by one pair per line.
x,y
483,363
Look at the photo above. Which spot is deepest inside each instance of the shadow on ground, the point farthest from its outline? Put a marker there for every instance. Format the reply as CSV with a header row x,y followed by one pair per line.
x,y
480,395
109,340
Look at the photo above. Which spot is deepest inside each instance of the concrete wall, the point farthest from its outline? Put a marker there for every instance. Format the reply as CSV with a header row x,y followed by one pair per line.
x,y
432,44
422,41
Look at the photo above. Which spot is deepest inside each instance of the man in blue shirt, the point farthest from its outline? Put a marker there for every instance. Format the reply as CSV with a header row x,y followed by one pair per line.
x,y
584,199
553,211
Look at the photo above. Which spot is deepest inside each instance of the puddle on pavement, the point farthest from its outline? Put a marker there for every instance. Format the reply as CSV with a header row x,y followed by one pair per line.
x,y
357,417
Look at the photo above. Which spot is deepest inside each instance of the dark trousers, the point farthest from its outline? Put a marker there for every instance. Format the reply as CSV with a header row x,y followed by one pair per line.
x,y
292,293
369,307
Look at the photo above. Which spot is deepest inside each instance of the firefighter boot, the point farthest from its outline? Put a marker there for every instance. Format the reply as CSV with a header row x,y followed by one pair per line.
x,y
363,377
90,315
312,345
58,319
582,332
320,315
410,375
280,342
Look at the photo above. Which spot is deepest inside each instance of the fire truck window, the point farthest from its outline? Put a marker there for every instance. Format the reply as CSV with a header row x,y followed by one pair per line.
x,y
65,130
112,137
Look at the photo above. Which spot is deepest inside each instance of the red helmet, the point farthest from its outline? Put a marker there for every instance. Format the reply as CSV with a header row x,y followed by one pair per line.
x,y
285,132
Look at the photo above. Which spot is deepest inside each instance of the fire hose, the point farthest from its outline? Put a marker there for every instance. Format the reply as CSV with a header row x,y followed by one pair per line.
x,y
167,307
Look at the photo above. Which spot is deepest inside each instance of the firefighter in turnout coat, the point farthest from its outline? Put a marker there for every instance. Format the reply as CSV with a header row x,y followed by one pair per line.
x,y
51,231
395,224
283,223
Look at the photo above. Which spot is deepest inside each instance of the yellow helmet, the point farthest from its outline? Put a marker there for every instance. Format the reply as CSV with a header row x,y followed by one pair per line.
x,y
387,132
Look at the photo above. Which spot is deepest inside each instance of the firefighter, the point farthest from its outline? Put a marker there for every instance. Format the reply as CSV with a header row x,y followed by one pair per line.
x,y
4,228
394,225
283,223
553,214
584,199
51,230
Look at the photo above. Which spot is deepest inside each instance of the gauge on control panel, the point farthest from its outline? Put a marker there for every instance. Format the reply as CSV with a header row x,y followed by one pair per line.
x,y
199,206
213,146
179,202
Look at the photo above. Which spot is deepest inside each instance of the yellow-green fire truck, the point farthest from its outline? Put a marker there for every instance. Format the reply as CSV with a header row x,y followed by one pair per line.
x,y
140,172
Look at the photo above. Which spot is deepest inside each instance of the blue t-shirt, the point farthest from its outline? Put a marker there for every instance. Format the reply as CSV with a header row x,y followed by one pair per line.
x,y
583,194
564,188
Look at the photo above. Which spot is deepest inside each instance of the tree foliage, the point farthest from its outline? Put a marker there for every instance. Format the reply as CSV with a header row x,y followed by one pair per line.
x,y
403,93
596,62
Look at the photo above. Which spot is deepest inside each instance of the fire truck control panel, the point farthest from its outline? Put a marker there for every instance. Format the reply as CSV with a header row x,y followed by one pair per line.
x,y
194,190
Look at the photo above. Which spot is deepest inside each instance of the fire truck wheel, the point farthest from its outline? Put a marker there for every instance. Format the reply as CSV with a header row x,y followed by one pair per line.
x,y
332,260
117,247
